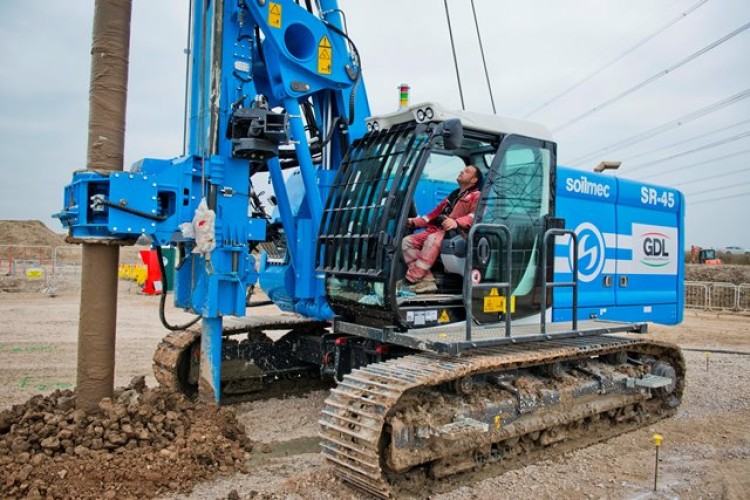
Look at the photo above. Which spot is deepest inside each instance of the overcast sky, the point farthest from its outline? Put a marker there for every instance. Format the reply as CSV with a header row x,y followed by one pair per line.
x,y
535,50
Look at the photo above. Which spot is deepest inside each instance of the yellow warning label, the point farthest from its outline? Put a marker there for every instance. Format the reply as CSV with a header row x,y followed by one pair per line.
x,y
325,55
444,318
496,303
34,273
498,422
274,15
493,292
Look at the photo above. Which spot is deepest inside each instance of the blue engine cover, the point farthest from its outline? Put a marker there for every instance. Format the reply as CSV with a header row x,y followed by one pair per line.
x,y
630,241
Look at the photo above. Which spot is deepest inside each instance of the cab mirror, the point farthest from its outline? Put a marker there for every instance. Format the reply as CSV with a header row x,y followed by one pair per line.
x,y
452,132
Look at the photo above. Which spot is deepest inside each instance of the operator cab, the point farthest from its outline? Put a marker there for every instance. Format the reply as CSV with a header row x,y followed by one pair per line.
x,y
403,167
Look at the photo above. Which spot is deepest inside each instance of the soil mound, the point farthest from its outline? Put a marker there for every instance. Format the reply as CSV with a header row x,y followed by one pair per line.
x,y
28,232
144,443
717,274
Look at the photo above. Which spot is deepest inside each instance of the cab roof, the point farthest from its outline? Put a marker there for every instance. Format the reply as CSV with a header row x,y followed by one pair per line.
x,y
432,112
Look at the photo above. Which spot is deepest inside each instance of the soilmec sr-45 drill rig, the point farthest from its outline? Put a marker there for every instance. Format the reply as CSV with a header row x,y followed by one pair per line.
x,y
493,367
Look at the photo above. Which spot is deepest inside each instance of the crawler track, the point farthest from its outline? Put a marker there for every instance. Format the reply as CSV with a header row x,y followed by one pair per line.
x,y
401,425
176,360
170,359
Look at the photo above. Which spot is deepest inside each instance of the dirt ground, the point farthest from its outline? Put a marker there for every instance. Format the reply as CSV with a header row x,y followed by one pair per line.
x,y
718,274
706,450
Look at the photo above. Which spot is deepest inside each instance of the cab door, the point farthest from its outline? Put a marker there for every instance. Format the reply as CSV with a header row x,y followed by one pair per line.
x,y
517,193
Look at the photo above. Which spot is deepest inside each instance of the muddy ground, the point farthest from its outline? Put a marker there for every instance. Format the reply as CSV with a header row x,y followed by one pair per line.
x,y
706,450
718,274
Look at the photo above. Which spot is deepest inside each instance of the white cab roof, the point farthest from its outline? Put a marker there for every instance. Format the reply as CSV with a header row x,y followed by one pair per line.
x,y
476,121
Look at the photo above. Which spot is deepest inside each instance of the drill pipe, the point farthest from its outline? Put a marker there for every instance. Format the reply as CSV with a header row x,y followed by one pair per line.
x,y
107,99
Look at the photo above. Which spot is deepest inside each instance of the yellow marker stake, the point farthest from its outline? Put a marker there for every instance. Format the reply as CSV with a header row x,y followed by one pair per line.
x,y
657,443
708,355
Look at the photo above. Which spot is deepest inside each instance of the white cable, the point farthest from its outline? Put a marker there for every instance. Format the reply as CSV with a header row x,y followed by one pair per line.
x,y
648,134
652,79
682,16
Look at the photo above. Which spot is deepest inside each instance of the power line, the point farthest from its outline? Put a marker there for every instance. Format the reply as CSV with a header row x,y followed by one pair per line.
x,y
722,198
713,190
686,167
691,151
455,59
710,178
648,134
669,24
484,61
652,79
692,139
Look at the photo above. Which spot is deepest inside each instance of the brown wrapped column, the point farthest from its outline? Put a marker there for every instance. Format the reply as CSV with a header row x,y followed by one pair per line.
x,y
107,98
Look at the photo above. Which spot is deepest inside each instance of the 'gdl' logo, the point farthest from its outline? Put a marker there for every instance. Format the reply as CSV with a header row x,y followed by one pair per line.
x,y
655,251
591,252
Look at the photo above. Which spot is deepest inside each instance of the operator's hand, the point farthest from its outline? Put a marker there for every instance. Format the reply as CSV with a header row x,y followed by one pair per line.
x,y
410,223
449,224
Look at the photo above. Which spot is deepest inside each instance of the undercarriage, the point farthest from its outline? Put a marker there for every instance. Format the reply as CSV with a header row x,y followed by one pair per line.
x,y
254,366
400,420
395,427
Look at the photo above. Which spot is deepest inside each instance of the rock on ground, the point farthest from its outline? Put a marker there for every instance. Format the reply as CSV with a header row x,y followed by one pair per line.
x,y
142,443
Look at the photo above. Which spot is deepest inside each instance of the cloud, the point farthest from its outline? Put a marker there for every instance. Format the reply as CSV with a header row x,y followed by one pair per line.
x,y
534,51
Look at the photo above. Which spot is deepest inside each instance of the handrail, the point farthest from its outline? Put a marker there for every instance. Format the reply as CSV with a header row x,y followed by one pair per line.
x,y
573,284
469,285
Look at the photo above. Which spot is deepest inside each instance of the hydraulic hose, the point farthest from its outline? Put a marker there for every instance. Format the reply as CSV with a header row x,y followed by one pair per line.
x,y
163,298
139,213
358,78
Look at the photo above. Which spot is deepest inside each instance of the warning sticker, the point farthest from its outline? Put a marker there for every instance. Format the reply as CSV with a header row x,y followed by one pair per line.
x,y
325,55
431,315
444,318
476,276
34,273
274,15
495,303
419,318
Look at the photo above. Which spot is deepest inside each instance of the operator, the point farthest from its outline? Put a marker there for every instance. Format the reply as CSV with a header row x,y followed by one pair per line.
x,y
421,250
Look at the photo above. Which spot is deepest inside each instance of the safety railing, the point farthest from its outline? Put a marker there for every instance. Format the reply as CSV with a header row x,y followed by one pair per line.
x,y
555,284
470,285
717,296
43,264
697,295
46,268
16,259
743,297
723,296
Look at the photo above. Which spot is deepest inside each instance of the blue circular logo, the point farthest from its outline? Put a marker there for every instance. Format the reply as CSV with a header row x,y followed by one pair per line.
x,y
591,252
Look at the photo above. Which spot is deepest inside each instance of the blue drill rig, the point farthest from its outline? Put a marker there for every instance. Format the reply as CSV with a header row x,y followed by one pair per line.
x,y
491,368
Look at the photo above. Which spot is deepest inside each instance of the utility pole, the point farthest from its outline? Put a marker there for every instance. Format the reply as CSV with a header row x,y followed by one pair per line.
x,y
110,50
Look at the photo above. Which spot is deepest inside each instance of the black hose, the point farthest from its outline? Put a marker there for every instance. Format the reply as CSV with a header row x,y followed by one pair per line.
x,y
163,298
331,130
139,213
353,95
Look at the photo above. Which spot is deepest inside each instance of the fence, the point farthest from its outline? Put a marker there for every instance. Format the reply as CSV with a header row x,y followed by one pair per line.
x,y
62,264
35,268
717,296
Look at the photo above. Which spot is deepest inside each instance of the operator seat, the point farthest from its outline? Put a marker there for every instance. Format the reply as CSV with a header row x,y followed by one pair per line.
x,y
453,253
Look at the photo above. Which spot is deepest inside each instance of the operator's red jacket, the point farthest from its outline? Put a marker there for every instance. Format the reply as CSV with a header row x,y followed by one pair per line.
x,y
460,207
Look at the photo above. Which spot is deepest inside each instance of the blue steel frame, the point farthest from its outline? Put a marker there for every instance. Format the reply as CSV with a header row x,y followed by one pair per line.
x,y
292,56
